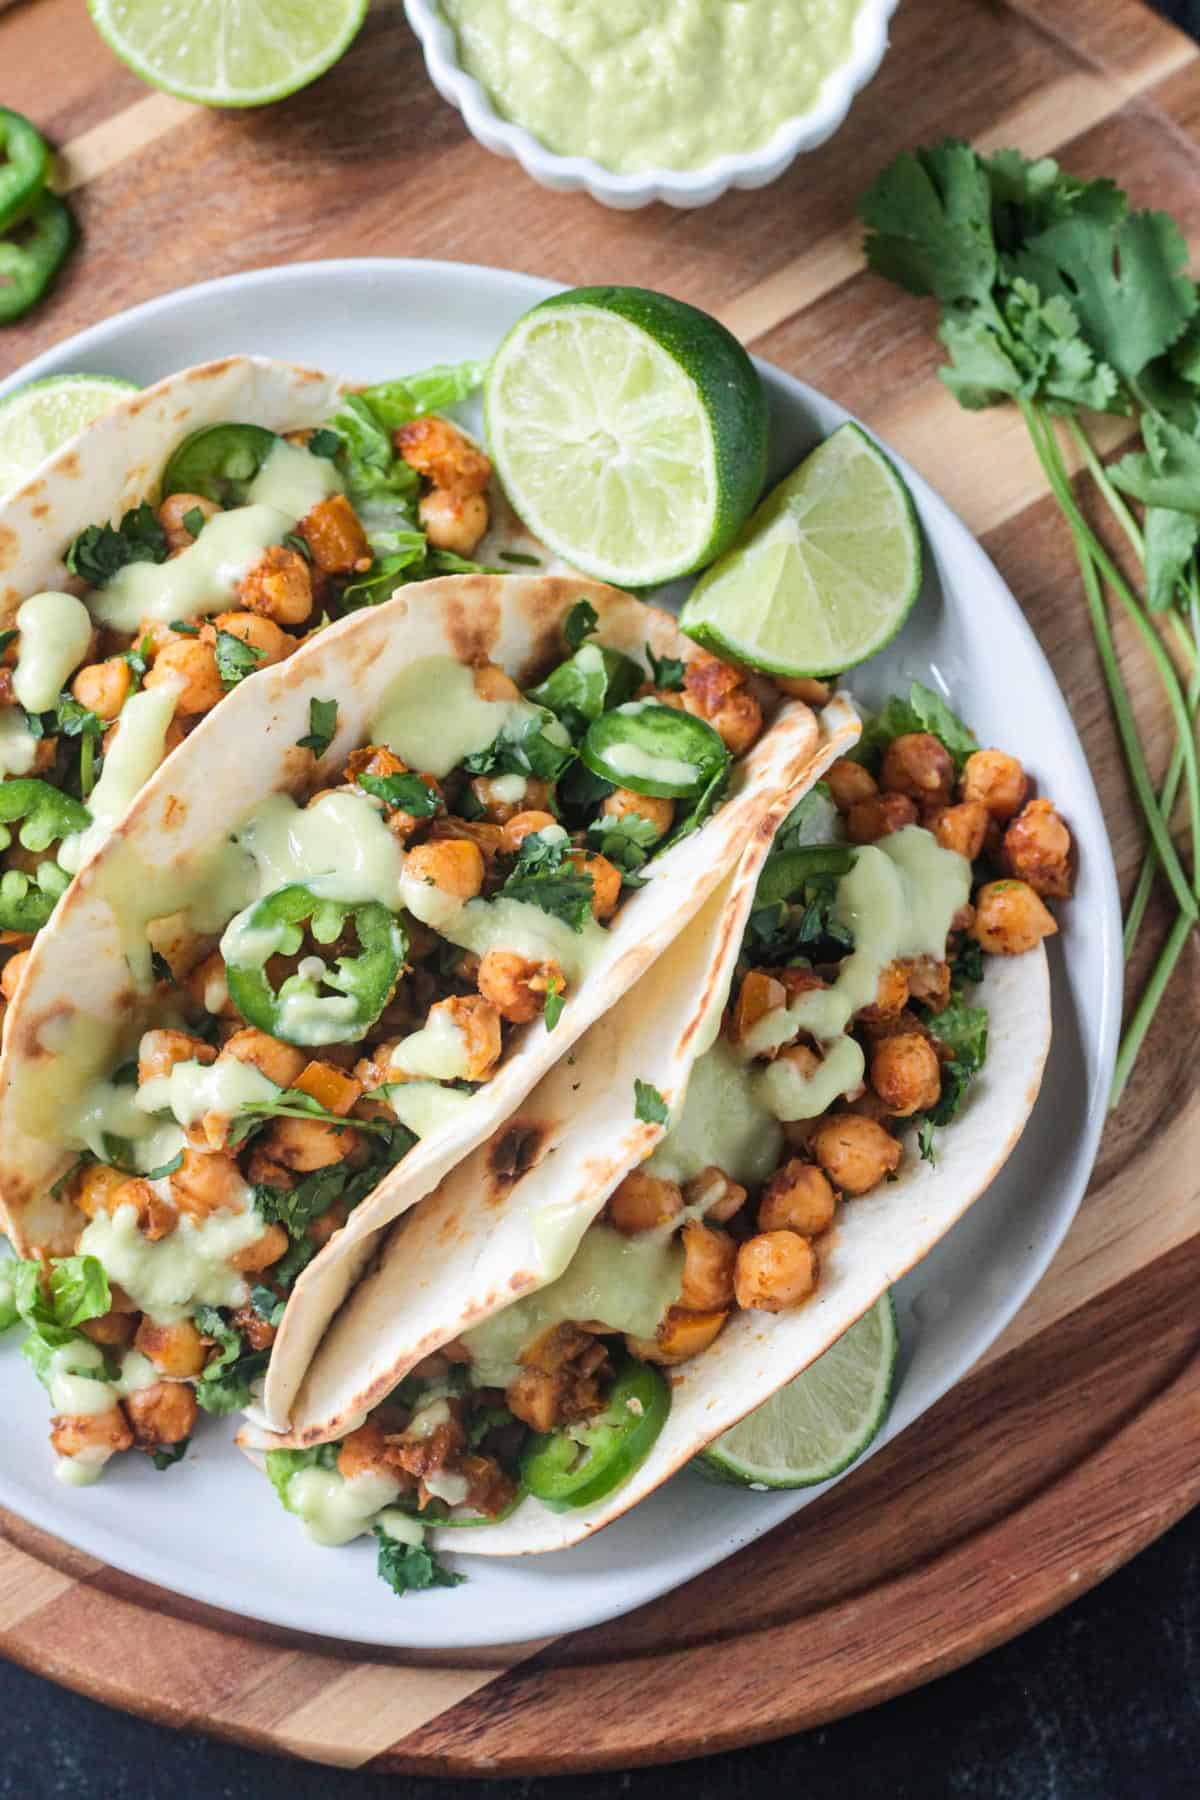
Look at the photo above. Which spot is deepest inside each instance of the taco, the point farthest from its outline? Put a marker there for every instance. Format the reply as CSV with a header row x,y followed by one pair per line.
x,y
337,938
191,537
778,1122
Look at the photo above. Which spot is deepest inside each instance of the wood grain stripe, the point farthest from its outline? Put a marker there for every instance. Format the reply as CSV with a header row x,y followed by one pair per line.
x,y
372,1707
94,152
26,1586
1061,111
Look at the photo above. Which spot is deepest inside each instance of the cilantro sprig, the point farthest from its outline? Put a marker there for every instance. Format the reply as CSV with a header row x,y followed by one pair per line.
x,y
1059,298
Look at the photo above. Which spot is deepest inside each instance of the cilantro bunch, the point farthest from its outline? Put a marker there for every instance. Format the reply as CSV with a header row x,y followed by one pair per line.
x,y
1058,298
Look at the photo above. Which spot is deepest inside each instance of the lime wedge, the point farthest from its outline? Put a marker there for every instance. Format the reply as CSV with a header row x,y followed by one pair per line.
x,y
36,419
820,1423
825,573
629,431
228,52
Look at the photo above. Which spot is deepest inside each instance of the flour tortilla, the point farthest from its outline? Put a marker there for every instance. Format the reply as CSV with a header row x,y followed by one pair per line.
x,y
76,990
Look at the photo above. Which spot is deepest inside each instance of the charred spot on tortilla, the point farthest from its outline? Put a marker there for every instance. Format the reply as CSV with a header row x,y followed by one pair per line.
x,y
69,464
174,813
9,546
515,1151
41,510
473,623
209,371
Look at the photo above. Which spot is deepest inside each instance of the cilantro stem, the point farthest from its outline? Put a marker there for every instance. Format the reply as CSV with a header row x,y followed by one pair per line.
x,y
1135,1032
1167,796
1085,546
1114,497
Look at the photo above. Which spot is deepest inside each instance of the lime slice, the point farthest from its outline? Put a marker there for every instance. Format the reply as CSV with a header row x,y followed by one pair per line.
x,y
820,1423
228,52
825,573
36,419
629,431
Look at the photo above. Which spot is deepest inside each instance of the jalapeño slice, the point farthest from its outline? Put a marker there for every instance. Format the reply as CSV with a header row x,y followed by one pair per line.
x,y
219,462
653,749
583,1464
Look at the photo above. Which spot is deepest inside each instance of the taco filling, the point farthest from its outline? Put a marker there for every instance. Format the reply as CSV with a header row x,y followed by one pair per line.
x,y
850,1039
256,539
343,975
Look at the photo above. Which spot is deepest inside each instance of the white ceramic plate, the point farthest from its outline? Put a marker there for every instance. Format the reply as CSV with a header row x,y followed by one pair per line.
x,y
210,1527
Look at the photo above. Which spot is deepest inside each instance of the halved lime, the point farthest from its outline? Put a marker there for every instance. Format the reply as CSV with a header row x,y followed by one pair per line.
x,y
36,419
820,1423
228,52
825,573
629,431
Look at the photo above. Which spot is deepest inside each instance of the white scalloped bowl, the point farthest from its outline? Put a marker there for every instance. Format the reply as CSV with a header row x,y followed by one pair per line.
x,y
677,187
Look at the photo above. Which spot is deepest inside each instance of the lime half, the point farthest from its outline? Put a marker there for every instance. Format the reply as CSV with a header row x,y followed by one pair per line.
x,y
826,572
629,431
820,1423
37,419
228,52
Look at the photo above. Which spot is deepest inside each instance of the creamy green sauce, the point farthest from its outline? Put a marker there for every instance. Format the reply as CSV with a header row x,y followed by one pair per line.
x,y
644,765
189,1267
293,480
627,1283
431,716
423,1106
340,847
194,1089
504,924
438,1051
333,1510
724,1122
134,754
56,630
18,746
790,1095
641,84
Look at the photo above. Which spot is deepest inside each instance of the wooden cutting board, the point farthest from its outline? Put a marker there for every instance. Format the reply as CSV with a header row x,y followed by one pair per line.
x,y
1075,1442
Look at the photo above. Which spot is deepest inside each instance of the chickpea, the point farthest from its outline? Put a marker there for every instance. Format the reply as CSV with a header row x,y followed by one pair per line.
x,y
264,1251
177,1350
656,811
365,1452
279,586
869,820
487,838
891,995
928,981
308,1144
804,687
919,765
334,534
521,826
454,865
849,782
113,1330
1010,918
162,1414
492,683
74,1434
443,453
798,1197
478,1023
803,1058
321,1229
737,720
175,509
681,1334
260,634
191,664
855,1152
159,1051
94,1187
1037,849
906,1074
453,521
11,973
606,881
155,1218
760,993
642,1202
775,1271
205,985
963,828
534,798
708,1260
516,986
205,1184
263,1171
996,780
258,1333
716,1193
103,687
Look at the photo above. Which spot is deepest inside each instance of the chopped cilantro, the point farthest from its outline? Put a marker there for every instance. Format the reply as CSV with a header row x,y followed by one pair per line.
x,y
324,443
401,793
322,724
235,660
580,623
648,1104
294,541
194,521
554,1003
667,672
409,1567
167,1456
102,551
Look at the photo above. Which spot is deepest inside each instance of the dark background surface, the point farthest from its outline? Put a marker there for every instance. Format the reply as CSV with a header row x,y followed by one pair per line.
x,y
1100,1703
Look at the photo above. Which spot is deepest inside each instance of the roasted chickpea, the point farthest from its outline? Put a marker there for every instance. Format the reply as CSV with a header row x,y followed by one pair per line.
x,y
155,1218
928,981
606,881
174,511
877,817
365,1452
454,865
891,995
962,828
717,1195
11,973
534,797
759,994
279,1062
708,1259
308,1144
523,825
259,633
919,765
516,985
177,1350
478,1024
453,521
996,780
849,782
321,1229
642,1202
798,1197
190,665
681,1335
855,1152
258,1333
1037,849
775,1271
162,1414
103,687
205,1184
263,1252
113,1329
737,719
443,453
333,532
279,586
804,687
658,812
1010,918
206,986
160,1050
906,1074
98,1435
